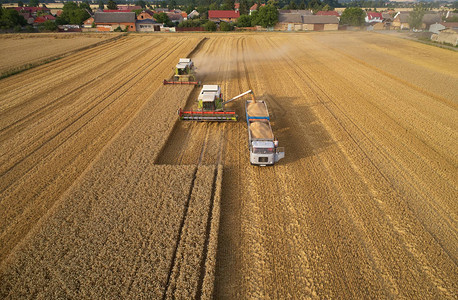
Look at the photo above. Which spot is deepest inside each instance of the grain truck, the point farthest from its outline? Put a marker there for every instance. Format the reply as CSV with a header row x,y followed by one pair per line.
x,y
263,145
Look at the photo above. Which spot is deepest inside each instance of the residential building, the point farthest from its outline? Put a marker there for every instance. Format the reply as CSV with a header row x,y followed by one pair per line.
x,y
223,15
108,21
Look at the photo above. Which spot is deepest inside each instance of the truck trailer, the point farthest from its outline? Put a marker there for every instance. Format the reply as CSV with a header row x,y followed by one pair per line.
x,y
262,143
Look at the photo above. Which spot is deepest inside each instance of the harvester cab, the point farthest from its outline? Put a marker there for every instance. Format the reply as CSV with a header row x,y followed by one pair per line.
x,y
211,106
183,73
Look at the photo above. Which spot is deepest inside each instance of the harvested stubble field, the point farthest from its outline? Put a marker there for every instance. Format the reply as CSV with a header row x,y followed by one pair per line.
x,y
19,51
118,200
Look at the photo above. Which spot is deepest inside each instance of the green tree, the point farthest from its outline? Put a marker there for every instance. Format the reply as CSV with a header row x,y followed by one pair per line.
x,y
224,26
34,3
101,4
267,16
112,5
416,17
20,4
48,26
292,5
141,3
85,5
273,3
353,16
73,14
161,18
244,9
315,5
213,6
11,18
228,5
244,21
302,5
210,26
172,4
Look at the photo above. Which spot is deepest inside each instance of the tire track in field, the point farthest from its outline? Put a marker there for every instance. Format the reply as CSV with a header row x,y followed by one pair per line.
x,y
94,108
347,123
49,185
58,102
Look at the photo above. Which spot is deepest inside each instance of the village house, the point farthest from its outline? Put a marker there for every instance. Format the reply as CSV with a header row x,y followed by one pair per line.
x,y
108,21
147,25
401,20
254,7
223,15
373,17
145,14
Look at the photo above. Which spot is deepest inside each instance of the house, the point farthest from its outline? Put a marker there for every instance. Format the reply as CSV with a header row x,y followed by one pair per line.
x,y
108,21
33,11
436,28
401,20
373,17
193,14
302,12
129,7
88,23
387,17
320,23
429,19
254,7
237,6
145,14
450,25
147,25
223,15
175,17
41,19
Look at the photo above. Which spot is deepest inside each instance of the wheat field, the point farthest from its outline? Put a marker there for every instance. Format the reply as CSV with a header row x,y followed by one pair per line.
x,y
105,194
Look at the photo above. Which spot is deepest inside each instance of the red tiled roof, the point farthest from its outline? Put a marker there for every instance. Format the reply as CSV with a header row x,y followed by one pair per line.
x,y
223,14
328,13
255,6
236,5
43,19
374,15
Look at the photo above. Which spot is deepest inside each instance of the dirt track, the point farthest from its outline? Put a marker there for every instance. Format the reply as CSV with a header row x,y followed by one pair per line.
x,y
362,206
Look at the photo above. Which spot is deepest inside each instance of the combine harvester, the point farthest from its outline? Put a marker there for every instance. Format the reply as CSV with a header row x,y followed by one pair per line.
x,y
184,73
263,145
210,106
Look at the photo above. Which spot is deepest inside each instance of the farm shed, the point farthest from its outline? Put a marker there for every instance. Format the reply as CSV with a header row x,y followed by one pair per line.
x,y
288,21
147,25
320,23
446,36
110,21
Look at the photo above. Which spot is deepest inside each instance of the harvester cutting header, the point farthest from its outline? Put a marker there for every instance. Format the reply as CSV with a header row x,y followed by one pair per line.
x,y
210,106
184,73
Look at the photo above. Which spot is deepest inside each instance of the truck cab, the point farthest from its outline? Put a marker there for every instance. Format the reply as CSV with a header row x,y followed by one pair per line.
x,y
265,153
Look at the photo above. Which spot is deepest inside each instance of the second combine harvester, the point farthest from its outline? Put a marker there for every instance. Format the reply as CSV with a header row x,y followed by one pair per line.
x,y
262,144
